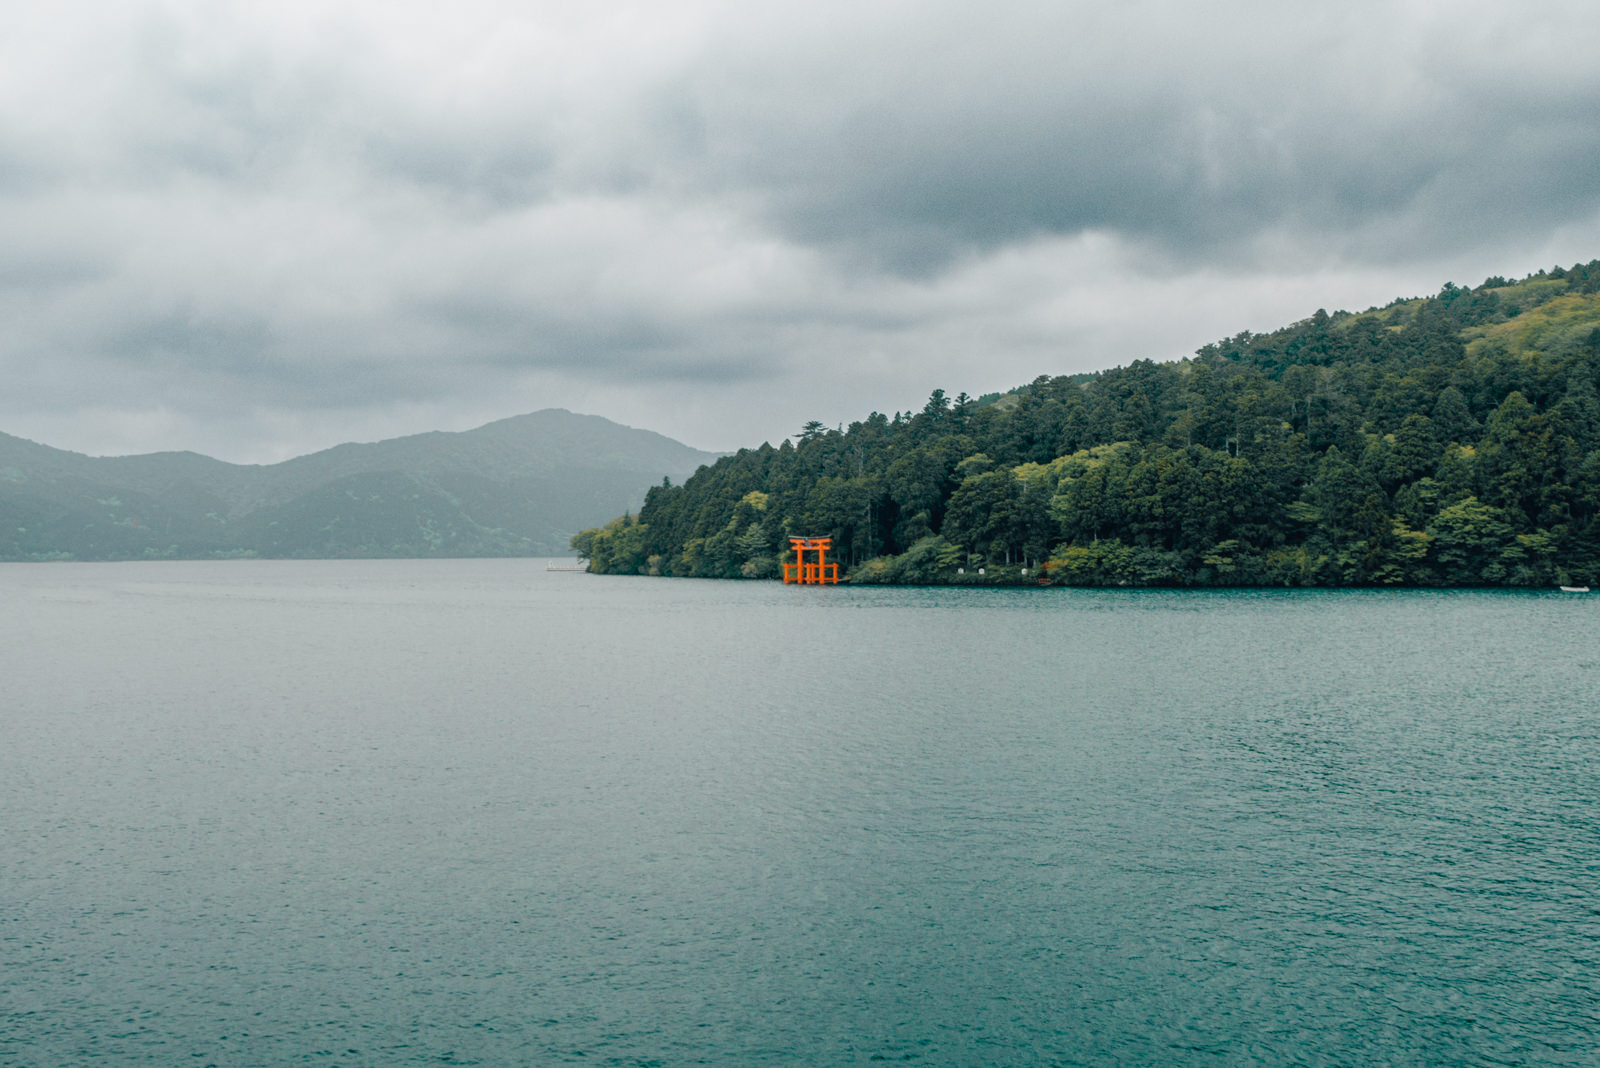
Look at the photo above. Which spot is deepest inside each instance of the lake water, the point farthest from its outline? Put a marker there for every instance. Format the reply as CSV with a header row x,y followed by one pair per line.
x,y
474,812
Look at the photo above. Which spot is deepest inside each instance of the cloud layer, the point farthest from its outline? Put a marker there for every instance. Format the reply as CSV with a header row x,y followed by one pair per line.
x,y
255,230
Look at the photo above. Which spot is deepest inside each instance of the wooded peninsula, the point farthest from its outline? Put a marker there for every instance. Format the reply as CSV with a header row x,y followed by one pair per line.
x,y
1451,440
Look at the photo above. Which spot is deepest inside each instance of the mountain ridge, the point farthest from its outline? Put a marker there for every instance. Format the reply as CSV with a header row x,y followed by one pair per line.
x,y
515,486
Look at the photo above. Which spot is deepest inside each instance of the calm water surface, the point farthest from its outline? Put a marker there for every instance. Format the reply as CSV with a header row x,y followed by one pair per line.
x,y
473,812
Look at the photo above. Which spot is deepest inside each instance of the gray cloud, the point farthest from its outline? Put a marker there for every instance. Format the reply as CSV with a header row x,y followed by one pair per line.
x,y
242,228
914,149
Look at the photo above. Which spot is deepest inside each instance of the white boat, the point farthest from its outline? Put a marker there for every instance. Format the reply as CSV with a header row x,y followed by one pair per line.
x,y
1574,589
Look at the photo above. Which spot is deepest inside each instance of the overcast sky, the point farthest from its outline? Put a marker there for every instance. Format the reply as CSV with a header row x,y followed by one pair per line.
x,y
259,229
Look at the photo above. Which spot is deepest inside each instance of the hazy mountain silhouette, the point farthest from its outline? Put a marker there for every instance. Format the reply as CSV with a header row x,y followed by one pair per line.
x,y
517,487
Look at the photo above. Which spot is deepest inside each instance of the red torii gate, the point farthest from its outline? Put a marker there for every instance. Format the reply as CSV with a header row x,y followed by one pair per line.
x,y
818,571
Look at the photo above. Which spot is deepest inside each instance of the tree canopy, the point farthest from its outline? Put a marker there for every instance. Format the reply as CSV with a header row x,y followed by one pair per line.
x,y
1447,440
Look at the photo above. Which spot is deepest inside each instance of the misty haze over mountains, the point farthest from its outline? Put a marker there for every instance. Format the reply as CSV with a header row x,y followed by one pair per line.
x,y
517,487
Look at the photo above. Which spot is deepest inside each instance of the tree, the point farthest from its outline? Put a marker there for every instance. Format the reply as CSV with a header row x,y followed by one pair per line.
x,y
1452,419
983,513
1469,539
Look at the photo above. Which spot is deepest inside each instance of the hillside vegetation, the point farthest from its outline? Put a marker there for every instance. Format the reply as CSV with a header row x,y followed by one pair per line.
x,y
516,487
1448,440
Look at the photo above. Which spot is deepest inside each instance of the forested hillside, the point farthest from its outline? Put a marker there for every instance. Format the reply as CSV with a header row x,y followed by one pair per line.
x,y
1448,440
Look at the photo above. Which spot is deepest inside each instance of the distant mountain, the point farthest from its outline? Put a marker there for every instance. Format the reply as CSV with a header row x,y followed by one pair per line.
x,y
518,487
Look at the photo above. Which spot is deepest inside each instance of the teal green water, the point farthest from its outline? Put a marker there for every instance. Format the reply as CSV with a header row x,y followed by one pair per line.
x,y
472,812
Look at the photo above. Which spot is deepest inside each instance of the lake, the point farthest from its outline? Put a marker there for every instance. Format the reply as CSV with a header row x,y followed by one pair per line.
x,y
475,812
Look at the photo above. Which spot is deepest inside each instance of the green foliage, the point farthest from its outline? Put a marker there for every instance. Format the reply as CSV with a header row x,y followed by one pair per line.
x,y
1453,439
618,548
929,561
1112,563
1472,543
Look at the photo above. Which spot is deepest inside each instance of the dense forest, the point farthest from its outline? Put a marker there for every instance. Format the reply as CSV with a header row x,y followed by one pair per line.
x,y
1448,440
